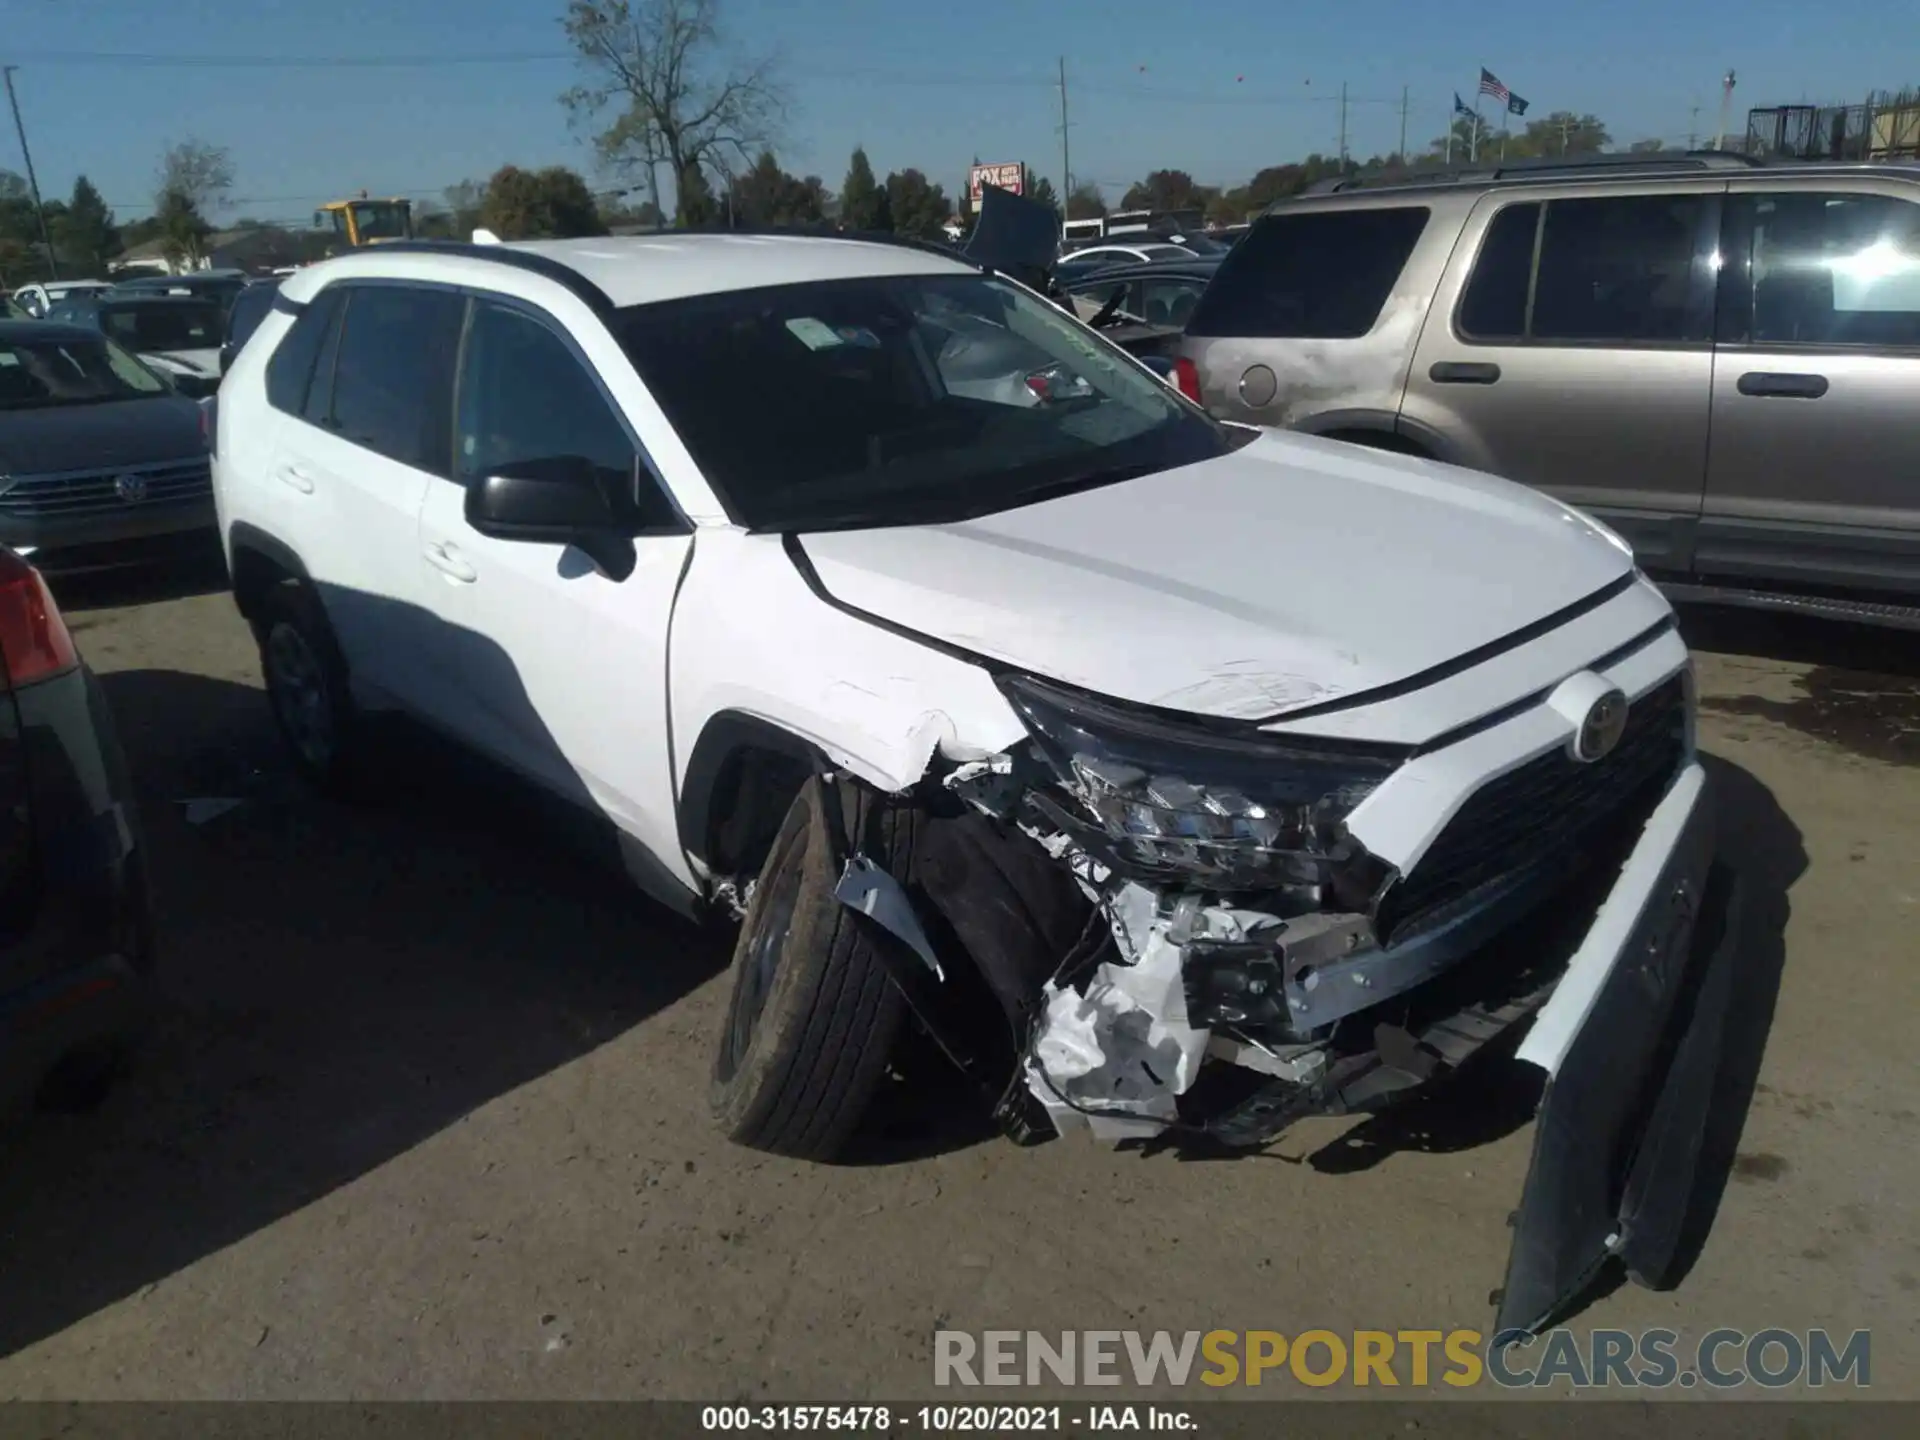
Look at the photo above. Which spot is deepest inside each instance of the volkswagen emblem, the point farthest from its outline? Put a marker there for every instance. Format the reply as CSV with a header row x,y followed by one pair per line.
x,y
131,489
1601,729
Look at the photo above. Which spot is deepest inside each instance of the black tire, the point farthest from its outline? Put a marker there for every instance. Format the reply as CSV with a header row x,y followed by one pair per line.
x,y
813,1016
307,688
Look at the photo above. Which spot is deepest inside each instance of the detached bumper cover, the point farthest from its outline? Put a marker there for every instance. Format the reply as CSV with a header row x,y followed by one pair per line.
x,y
1630,1070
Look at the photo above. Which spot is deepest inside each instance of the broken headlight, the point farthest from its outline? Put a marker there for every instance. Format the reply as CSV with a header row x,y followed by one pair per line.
x,y
1231,805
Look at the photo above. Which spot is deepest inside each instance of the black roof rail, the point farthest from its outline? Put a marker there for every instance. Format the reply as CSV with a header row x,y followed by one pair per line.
x,y
1630,162
546,266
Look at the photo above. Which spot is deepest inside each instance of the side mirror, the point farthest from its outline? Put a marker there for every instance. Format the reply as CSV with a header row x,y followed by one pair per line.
x,y
556,502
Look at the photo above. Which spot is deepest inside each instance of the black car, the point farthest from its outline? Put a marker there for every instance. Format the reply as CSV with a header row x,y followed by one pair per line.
x,y
222,286
1158,292
95,449
178,335
76,924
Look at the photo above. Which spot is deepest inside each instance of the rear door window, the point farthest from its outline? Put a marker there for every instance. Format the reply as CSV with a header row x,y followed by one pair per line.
x,y
1617,269
290,368
1324,275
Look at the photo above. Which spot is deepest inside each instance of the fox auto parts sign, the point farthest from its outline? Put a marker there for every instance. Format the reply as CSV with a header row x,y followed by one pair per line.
x,y
1006,177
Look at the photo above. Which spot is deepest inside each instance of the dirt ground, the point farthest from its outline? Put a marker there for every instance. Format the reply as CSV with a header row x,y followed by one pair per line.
x,y
425,1112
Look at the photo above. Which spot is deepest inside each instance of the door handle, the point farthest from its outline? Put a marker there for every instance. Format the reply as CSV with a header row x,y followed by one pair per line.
x,y
1463,372
449,562
294,476
1767,383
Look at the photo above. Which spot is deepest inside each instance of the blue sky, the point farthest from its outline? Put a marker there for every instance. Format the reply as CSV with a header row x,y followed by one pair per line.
x,y
1217,89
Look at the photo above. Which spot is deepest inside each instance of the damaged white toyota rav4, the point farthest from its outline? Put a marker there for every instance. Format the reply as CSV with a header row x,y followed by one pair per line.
x,y
1175,778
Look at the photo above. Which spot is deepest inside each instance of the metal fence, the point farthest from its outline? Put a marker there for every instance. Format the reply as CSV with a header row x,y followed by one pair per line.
x,y
1885,128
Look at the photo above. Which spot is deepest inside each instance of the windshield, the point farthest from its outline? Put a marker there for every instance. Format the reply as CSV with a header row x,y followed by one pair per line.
x,y
35,374
901,400
167,325
380,220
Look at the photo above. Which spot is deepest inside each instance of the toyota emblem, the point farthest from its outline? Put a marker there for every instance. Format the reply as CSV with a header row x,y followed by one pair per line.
x,y
131,489
1600,731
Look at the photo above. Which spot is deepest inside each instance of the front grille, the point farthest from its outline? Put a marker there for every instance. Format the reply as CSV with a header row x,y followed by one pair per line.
x,y
1546,813
84,492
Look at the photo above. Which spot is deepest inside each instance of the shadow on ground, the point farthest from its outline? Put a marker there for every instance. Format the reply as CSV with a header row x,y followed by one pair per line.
x,y
336,986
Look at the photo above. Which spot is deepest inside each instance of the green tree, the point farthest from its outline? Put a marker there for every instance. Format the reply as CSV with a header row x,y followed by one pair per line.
x,y
1561,133
553,203
1166,190
918,206
1084,202
863,202
767,195
86,235
183,230
1042,190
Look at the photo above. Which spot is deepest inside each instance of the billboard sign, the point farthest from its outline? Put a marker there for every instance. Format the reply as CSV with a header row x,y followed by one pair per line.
x,y
1007,177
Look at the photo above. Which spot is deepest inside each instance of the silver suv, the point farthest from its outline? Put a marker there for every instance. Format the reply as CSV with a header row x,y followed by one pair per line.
x,y
1716,357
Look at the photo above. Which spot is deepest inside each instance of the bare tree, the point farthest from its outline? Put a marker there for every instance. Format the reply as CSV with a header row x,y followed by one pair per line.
x,y
198,172
662,70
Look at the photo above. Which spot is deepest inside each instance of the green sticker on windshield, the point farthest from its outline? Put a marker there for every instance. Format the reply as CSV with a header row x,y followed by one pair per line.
x,y
814,334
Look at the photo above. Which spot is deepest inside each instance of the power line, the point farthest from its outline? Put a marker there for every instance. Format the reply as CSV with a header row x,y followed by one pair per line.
x,y
133,59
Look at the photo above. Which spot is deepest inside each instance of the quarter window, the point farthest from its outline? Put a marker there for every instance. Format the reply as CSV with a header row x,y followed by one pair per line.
x,y
290,367
1323,275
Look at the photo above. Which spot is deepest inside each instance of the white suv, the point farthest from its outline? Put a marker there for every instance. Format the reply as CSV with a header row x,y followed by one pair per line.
x,y
1178,778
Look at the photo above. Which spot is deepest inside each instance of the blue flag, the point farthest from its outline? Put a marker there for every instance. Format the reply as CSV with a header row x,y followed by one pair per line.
x,y
1460,106
1515,105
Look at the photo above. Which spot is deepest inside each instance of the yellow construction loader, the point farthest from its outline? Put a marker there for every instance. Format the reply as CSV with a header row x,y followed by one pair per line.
x,y
358,222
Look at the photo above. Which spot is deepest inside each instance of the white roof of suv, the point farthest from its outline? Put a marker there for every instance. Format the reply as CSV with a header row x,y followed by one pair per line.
x,y
642,269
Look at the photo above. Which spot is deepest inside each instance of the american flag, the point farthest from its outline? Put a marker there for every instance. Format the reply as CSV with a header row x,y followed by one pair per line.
x,y
1490,85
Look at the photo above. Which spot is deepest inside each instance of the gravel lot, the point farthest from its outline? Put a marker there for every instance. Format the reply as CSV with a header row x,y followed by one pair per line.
x,y
424,1115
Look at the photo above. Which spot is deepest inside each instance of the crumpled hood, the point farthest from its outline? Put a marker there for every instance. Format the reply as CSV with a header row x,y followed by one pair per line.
x,y
1286,574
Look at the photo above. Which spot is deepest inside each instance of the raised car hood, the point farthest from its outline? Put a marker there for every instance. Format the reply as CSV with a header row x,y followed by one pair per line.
x,y
1286,574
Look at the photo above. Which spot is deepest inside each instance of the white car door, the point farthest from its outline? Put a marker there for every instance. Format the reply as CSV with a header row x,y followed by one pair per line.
x,y
358,447
552,666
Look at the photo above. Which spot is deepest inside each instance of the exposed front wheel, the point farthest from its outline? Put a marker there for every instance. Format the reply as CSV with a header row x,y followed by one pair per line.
x,y
812,1017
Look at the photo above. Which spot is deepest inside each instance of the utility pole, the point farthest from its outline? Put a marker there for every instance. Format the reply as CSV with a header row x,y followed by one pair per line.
x,y
1566,128
1693,125
1066,152
33,184
1403,124
1343,128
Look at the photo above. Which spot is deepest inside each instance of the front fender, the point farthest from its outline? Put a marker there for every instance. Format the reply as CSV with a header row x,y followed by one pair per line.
x,y
756,650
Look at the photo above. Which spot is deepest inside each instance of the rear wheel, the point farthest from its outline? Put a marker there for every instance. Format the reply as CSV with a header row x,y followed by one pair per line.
x,y
813,1015
307,687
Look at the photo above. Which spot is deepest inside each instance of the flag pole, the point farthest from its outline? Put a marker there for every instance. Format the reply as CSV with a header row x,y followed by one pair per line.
x,y
1473,140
